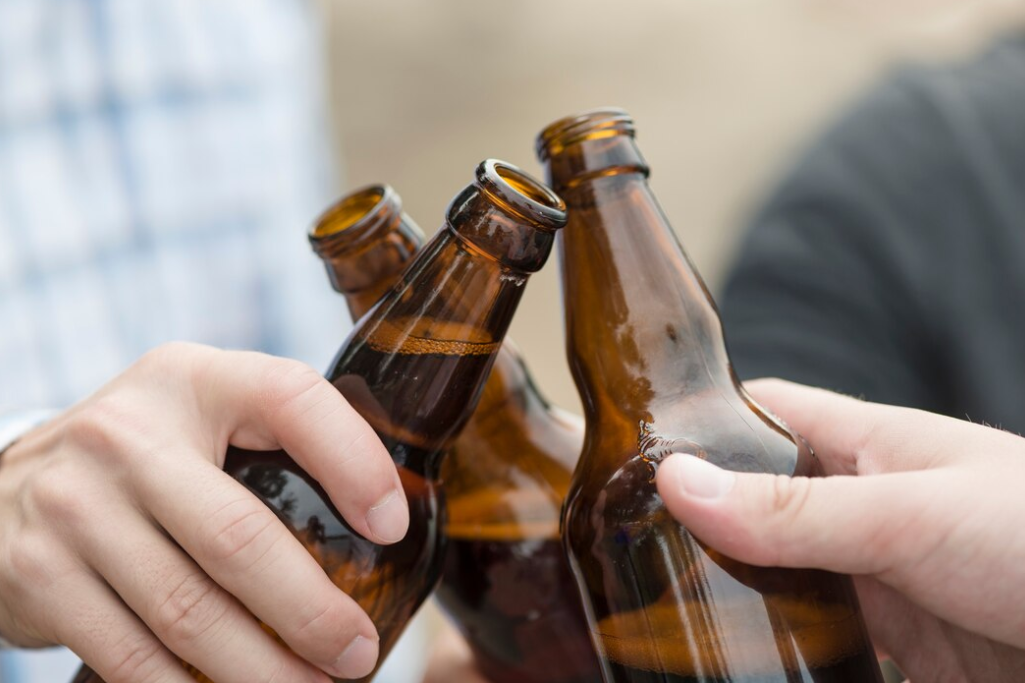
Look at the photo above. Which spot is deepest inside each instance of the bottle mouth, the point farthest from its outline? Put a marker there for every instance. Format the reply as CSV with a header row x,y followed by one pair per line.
x,y
346,222
521,195
589,125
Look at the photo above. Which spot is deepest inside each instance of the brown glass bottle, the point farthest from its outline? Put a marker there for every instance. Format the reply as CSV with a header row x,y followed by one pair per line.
x,y
414,368
646,350
506,584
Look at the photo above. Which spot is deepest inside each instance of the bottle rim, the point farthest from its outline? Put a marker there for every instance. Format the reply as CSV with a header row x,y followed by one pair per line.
x,y
519,193
353,217
592,124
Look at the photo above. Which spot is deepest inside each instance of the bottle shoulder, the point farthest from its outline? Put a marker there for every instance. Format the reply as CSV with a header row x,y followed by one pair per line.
x,y
616,478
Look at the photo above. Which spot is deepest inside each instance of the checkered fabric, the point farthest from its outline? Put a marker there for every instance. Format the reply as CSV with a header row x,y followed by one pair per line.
x,y
159,162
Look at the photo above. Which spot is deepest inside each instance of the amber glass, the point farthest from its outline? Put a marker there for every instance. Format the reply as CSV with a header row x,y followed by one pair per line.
x,y
646,350
365,241
506,584
414,368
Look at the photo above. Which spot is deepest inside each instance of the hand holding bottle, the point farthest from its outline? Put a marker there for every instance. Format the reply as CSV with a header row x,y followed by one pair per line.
x,y
412,367
927,511
122,538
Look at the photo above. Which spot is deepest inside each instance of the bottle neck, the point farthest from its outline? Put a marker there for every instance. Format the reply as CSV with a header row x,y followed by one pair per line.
x,y
362,271
642,330
415,365
591,159
360,303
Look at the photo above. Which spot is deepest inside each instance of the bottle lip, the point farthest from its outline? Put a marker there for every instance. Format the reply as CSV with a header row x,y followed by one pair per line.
x,y
354,217
592,124
520,194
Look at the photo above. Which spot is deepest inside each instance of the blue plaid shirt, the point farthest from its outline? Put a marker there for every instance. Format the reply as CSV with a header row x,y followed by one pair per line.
x,y
159,161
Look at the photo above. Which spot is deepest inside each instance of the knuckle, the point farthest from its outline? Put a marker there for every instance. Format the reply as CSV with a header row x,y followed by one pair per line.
x,y
357,449
280,672
289,381
187,611
768,531
30,559
57,498
174,366
135,659
790,497
862,456
325,627
109,428
247,531
95,427
168,354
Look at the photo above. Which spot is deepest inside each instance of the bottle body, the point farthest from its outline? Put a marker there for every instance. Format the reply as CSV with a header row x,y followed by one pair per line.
x,y
646,350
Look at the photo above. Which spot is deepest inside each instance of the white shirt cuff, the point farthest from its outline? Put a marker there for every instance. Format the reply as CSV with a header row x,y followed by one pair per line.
x,y
15,423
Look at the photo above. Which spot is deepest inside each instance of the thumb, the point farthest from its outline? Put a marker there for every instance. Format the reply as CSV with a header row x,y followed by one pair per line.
x,y
843,524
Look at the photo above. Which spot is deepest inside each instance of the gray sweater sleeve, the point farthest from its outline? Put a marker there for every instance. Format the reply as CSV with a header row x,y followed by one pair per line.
x,y
890,263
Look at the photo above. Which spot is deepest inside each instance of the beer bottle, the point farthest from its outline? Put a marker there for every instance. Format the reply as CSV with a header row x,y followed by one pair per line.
x,y
414,368
506,584
647,353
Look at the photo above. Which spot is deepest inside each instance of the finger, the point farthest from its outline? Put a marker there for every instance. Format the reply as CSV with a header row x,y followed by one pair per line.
x,y
278,402
190,613
886,612
851,525
932,654
240,543
854,437
97,626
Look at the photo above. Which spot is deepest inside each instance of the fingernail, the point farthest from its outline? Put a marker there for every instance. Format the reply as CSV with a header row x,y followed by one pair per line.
x,y
700,478
388,519
357,660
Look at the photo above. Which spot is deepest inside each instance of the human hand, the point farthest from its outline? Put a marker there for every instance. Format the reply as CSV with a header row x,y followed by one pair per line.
x,y
122,538
451,660
926,511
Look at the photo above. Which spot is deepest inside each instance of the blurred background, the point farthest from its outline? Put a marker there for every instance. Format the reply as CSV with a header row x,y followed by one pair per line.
x,y
724,93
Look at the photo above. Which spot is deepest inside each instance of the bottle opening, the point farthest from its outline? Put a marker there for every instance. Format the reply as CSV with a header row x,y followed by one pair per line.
x,y
362,206
524,186
520,194
589,125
